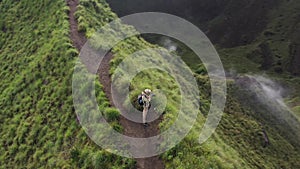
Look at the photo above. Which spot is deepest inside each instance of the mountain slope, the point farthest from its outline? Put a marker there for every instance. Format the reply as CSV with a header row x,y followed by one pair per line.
x,y
241,26
39,128
238,131
38,123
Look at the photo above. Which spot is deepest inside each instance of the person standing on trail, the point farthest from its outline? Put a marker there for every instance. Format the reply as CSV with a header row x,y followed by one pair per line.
x,y
146,98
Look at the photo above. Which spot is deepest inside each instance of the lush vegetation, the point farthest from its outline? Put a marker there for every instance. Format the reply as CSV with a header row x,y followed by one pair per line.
x,y
270,47
238,142
38,123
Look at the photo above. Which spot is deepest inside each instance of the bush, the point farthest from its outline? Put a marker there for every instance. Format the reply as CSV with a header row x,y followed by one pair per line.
x,y
117,127
111,114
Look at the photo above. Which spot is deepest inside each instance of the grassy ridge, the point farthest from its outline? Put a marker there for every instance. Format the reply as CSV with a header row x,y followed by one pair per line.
x,y
215,153
38,123
238,142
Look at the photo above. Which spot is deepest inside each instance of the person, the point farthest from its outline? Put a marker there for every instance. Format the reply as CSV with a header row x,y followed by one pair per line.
x,y
146,97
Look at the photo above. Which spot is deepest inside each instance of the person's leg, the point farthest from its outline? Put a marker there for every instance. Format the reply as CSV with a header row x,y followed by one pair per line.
x,y
145,111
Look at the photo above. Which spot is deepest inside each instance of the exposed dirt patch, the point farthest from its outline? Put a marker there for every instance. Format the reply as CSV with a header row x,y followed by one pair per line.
x,y
78,38
130,128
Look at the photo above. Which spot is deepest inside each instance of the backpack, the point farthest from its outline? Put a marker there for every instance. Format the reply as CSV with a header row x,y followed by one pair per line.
x,y
140,100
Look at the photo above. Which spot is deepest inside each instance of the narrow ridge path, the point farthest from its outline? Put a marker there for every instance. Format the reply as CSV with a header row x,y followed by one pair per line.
x,y
77,38
130,128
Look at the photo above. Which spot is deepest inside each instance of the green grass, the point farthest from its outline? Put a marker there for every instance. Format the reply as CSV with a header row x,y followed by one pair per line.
x,y
38,123
238,141
242,127
39,128
235,59
279,33
111,114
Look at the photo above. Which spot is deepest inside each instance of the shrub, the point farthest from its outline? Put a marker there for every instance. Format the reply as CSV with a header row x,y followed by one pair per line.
x,y
117,127
111,114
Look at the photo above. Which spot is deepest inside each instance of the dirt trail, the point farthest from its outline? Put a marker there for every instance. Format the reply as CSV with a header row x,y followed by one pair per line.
x,y
77,38
130,128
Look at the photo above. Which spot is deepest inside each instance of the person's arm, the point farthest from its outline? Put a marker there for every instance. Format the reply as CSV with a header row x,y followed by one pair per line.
x,y
150,96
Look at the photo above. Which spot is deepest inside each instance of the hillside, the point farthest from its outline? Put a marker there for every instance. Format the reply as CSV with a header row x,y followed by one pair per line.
x,y
246,28
262,42
38,123
39,47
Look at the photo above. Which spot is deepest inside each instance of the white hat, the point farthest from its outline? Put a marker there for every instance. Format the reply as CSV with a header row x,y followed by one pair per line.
x,y
147,91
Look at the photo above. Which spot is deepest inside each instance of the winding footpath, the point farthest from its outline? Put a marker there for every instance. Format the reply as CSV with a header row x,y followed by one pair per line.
x,y
130,128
